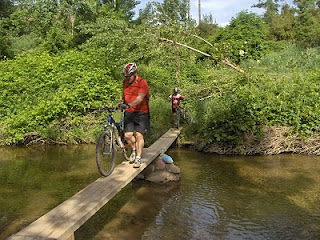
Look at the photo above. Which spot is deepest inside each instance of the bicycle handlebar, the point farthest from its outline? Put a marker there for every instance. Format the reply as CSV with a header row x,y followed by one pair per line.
x,y
109,109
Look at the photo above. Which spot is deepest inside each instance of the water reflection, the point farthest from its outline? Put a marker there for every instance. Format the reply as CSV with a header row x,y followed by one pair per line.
x,y
218,197
243,198
36,179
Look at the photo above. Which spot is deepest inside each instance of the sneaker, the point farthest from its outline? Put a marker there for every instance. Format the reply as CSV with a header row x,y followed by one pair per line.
x,y
137,162
132,157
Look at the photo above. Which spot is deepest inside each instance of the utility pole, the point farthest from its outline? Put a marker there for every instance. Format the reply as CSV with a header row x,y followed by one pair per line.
x,y
199,11
188,10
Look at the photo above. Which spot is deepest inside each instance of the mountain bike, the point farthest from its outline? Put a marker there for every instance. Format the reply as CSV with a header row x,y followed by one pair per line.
x,y
182,113
110,140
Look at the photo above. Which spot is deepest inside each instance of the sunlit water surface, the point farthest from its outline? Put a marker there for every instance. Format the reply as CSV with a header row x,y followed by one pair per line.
x,y
218,197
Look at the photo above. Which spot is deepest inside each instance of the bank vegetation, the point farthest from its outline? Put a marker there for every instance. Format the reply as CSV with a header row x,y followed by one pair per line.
x,y
252,87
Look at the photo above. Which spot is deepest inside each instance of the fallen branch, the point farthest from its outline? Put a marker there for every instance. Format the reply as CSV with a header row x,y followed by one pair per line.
x,y
186,46
204,98
226,61
202,39
230,64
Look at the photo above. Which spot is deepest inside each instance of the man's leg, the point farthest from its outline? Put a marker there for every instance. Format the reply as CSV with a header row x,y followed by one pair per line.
x,y
142,126
130,139
140,143
132,143
174,115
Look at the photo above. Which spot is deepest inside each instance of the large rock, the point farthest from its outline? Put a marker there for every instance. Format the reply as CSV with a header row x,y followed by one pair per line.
x,y
159,164
148,170
172,168
162,177
160,172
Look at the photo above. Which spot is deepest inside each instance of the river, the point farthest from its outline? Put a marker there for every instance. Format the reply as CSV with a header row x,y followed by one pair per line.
x,y
218,197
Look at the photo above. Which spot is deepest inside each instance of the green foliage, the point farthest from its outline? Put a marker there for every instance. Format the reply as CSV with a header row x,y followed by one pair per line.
x,y
161,118
169,12
4,40
39,89
25,43
6,7
244,38
49,90
281,89
208,27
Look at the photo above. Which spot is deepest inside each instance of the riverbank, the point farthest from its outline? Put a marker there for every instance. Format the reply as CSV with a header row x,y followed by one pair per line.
x,y
275,141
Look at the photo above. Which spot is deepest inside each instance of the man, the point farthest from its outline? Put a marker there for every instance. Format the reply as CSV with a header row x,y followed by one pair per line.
x,y
136,104
175,99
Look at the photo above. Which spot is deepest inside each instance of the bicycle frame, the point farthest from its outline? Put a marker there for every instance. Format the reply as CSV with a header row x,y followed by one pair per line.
x,y
114,126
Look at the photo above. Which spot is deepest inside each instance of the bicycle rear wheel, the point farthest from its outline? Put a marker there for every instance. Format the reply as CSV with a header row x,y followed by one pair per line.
x,y
105,153
186,116
127,151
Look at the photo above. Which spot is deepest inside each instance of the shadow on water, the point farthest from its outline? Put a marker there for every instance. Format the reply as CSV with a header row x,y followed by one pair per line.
x,y
129,213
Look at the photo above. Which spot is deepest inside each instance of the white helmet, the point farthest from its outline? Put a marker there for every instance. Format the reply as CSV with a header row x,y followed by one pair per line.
x,y
129,69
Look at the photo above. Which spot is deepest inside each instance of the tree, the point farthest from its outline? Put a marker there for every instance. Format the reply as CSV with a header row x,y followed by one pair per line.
x,y
243,38
124,6
287,26
271,7
6,7
148,14
4,40
173,11
308,21
208,26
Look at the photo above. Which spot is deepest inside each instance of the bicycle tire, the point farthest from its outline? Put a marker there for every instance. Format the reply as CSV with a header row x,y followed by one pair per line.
x,y
105,153
127,151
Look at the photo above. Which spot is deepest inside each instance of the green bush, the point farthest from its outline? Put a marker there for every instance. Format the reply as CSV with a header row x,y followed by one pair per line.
x,y
39,89
274,93
244,38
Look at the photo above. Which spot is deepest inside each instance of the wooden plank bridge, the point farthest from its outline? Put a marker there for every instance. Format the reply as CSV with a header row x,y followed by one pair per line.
x,y
62,221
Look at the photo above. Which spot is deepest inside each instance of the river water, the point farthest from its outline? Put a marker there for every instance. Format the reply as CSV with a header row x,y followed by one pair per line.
x,y
218,197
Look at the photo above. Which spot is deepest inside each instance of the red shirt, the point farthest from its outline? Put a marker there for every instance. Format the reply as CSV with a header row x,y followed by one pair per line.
x,y
131,91
175,99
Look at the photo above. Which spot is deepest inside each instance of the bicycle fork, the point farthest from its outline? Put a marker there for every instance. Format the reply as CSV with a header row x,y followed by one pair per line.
x,y
109,134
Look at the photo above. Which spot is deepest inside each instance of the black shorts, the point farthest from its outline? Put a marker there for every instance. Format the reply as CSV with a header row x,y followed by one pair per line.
x,y
174,110
136,122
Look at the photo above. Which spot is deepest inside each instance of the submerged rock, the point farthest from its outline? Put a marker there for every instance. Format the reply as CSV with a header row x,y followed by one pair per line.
x,y
162,177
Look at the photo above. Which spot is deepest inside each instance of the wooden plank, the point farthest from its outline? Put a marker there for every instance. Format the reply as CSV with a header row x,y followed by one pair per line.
x,y
62,221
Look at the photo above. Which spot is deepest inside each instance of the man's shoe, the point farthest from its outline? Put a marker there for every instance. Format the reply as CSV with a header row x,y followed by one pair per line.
x,y
132,157
137,162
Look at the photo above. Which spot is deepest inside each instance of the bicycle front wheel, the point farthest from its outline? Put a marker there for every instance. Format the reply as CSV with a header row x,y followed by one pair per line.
x,y
105,153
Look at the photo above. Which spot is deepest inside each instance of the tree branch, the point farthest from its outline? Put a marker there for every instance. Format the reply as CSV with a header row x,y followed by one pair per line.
x,y
226,61
202,39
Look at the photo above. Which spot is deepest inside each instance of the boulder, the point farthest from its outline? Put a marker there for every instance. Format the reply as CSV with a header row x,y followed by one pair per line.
x,y
148,170
172,168
159,164
160,172
162,177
